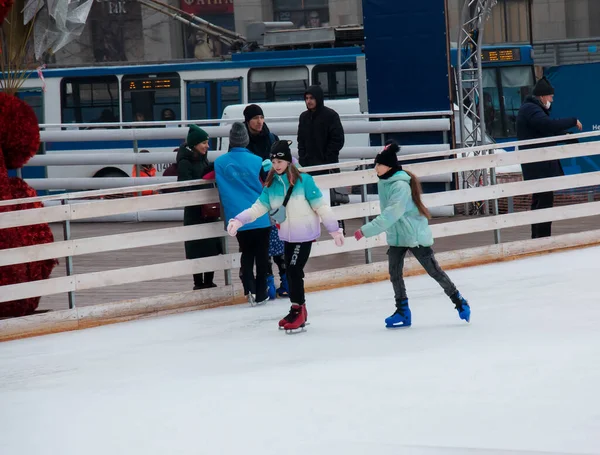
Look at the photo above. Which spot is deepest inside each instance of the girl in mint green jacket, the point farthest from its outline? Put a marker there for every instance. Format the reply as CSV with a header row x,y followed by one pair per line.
x,y
404,219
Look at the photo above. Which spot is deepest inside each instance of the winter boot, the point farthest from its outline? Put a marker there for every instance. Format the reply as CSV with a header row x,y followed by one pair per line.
x,y
401,318
297,317
283,290
272,291
462,306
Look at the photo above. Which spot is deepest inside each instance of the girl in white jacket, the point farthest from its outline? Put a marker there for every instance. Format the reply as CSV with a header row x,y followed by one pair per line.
x,y
304,210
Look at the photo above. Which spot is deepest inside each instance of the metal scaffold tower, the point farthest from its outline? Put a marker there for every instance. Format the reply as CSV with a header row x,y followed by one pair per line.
x,y
470,94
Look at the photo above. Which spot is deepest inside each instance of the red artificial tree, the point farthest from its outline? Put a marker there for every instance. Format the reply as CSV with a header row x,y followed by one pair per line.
x,y
5,6
19,141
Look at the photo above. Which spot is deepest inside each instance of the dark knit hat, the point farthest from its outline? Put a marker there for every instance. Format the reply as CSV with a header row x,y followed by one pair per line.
x,y
543,87
388,156
280,150
252,111
238,136
195,136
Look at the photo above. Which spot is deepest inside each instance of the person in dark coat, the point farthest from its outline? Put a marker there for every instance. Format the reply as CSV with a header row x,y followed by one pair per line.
x,y
320,132
192,164
534,122
171,170
261,139
320,137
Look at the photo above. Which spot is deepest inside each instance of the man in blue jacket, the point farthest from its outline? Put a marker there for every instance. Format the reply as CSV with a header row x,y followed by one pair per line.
x,y
534,122
238,175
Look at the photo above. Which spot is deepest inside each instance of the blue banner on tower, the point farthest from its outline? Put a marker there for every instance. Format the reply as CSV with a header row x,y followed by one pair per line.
x,y
407,55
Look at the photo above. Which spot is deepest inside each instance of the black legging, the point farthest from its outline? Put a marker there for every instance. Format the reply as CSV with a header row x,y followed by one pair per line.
x,y
296,256
280,261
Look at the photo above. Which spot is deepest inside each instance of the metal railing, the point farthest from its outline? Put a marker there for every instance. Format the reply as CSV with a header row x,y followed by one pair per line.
x,y
69,211
130,133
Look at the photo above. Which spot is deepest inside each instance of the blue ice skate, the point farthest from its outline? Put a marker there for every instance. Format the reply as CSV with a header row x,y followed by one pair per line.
x,y
284,290
401,318
271,290
462,306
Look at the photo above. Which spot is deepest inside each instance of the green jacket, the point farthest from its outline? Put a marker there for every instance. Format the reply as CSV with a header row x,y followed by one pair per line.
x,y
400,218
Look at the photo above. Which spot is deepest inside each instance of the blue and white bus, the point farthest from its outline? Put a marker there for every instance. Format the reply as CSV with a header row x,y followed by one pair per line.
x,y
192,90
202,90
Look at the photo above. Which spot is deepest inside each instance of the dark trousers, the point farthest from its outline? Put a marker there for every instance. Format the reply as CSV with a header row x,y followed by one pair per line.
x,y
280,262
201,248
296,257
254,245
426,258
542,201
341,223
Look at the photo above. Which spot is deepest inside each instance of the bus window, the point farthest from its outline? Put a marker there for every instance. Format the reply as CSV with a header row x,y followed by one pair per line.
x,y
491,104
230,94
198,101
277,84
35,100
90,100
337,81
147,97
208,99
517,84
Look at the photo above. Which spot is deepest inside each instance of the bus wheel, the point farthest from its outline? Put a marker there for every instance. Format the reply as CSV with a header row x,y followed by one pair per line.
x,y
111,172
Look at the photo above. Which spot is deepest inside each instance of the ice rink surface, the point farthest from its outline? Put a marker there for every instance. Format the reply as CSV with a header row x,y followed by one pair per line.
x,y
522,377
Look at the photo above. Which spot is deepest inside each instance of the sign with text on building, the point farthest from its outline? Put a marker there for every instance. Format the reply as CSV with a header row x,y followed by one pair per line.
x,y
104,9
207,7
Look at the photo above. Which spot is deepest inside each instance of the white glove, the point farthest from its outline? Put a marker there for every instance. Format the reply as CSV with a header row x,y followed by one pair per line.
x,y
233,226
338,237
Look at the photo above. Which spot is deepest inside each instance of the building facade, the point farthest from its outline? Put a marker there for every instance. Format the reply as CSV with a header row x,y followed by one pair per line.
x,y
551,19
127,31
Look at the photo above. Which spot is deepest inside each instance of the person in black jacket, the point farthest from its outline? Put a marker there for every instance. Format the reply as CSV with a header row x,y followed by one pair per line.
x,y
261,139
192,164
534,122
320,132
320,137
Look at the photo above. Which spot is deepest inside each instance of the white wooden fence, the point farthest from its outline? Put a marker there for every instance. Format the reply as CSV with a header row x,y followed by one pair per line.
x,y
99,208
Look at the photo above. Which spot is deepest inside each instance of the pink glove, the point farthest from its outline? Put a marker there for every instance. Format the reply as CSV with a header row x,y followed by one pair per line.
x,y
234,225
358,235
338,237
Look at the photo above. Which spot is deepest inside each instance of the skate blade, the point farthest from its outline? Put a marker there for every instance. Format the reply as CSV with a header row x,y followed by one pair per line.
x,y
305,324
395,327
295,331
